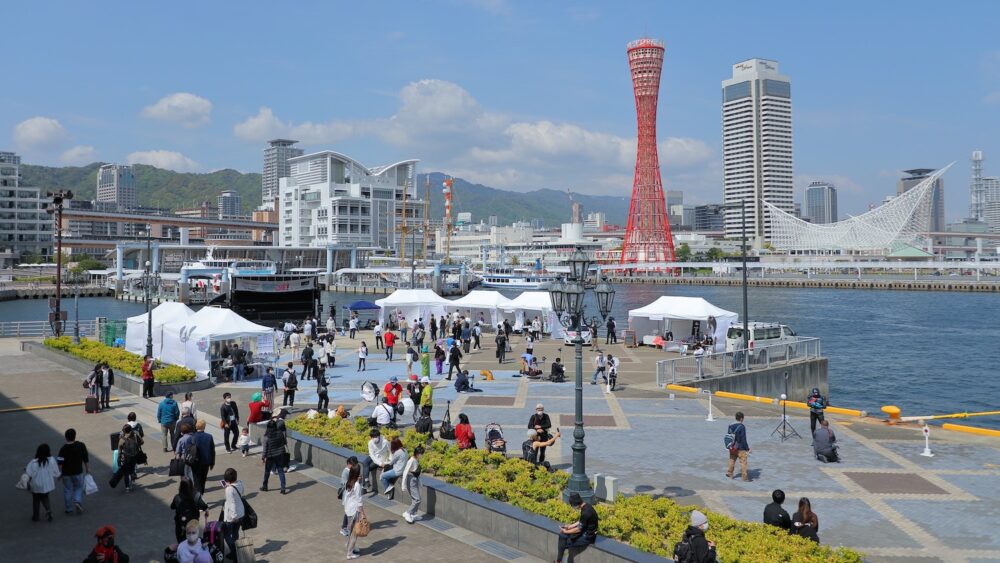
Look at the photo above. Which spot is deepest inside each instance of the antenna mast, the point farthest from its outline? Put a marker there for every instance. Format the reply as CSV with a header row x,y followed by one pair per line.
x,y
427,215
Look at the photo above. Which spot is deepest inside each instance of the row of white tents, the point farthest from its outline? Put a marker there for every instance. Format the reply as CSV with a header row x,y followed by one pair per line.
x,y
184,337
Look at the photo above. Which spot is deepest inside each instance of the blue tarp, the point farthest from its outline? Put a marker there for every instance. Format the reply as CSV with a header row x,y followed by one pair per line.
x,y
361,306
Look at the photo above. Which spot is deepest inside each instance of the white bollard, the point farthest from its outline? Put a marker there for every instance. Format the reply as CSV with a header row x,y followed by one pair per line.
x,y
927,442
709,418
671,396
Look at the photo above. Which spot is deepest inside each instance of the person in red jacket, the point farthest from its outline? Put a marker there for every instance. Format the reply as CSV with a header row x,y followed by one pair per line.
x,y
389,339
147,377
465,438
393,391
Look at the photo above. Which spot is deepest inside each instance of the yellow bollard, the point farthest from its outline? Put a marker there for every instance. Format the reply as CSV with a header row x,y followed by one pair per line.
x,y
893,412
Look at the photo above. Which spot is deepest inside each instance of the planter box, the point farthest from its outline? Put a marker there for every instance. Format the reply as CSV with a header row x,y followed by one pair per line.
x,y
533,534
124,381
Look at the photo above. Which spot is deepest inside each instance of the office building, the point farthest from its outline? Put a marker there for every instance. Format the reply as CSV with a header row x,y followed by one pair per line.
x,y
276,157
576,212
116,185
25,227
821,203
756,145
595,221
674,197
230,204
990,212
916,176
710,217
331,199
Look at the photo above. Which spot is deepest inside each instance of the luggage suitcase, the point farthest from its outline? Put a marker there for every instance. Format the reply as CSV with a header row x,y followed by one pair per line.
x,y
212,537
115,437
90,404
244,550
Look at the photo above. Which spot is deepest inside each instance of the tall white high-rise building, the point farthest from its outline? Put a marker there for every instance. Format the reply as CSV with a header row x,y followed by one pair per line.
x,y
116,185
821,203
276,166
756,145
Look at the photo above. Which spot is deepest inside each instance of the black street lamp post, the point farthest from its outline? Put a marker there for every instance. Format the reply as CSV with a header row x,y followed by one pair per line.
x,y
743,254
55,208
148,278
567,298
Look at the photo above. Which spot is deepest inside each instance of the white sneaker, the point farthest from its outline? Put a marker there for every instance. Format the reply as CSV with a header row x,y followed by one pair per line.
x,y
408,517
344,532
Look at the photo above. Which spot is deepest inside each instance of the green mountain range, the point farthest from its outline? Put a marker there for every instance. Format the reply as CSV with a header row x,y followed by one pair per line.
x,y
176,190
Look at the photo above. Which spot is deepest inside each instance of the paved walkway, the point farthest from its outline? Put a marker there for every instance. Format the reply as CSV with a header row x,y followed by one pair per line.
x,y
301,526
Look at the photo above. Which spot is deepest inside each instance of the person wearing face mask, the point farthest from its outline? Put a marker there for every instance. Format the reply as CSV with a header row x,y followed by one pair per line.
x,y
191,550
229,416
106,551
693,546
106,378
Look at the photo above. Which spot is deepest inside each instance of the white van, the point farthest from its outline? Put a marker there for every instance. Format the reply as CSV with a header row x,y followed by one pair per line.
x,y
763,340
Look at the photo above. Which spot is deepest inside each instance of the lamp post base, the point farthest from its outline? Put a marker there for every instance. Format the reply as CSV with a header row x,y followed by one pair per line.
x,y
586,493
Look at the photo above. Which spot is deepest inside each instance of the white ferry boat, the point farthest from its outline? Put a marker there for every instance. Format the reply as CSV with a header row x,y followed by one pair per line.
x,y
516,279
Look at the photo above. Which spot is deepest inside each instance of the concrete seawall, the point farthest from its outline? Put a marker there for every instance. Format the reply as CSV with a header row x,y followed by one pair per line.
x,y
897,285
802,377
45,292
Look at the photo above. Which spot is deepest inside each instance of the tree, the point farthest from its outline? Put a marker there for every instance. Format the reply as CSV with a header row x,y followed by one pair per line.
x,y
87,263
715,254
683,253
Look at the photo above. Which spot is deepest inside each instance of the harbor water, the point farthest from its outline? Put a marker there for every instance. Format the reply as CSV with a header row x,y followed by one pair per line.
x,y
928,353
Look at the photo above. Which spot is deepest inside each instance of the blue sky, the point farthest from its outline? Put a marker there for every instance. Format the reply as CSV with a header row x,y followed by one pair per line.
x,y
518,95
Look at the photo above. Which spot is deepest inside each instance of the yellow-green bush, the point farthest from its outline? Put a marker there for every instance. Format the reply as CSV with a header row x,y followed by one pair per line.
x,y
648,524
119,359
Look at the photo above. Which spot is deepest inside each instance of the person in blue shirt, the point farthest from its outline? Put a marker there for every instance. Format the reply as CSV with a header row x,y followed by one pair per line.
x,y
817,404
740,449
167,414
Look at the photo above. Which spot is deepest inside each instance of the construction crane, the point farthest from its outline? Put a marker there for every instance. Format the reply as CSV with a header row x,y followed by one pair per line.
x,y
448,194
404,226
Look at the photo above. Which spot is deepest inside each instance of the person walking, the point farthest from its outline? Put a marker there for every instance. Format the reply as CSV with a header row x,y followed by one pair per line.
x,y
411,356
307,358
389,341
411,483
439,356
129,454
295,341
167,414
188,404
581,533
612,363
805,523
403,327
433,327
600,367
541,423
379,343
75,466
454,359
466,337
739,449
501,342
426,396
352,324
307,331
205,444
330,349
817,404
188,506
42,472
229,417
362,356
397,462
268,384
612,336
106,378
693,546
354,508
774,514
147,377
345,474
291,383
232,511
322,391
477,333
425,364
273,456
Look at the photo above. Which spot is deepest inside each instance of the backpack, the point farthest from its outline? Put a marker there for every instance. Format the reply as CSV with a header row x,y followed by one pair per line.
x,y
129,449
683,551
187,510
529,453
730,439
425,425
293,381
191,452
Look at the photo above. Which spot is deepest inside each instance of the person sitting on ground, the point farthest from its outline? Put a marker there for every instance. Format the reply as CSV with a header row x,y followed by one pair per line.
x,y
384,414
530,447
581,533
462,381
693,546
106,551
774,514
465,438
805,522
558,374
825,443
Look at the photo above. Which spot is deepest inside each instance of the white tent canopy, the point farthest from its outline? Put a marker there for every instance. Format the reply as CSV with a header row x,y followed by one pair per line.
x,y
136,332
412,304
535,303
492,302
187,342
678,315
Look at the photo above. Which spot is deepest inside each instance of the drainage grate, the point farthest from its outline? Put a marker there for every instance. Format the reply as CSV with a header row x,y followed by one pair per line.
x,y
499,549
119,416
435,524
330,480
381,501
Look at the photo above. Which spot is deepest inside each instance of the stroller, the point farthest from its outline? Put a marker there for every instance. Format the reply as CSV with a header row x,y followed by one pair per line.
x,y
494,439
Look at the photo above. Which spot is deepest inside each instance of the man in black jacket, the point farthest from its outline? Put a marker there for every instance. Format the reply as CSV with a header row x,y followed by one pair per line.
x,y
229,414
541,423
693,547
774,514
581,533
454,359
239,362
307,359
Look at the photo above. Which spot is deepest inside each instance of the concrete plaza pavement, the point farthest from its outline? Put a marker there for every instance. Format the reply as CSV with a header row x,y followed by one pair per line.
x,y
301,526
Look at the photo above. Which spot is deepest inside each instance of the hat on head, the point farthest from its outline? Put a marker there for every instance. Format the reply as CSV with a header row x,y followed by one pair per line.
x,y
698,519
413,377
394,379
575,500
425,379
256,397
105,531
539,407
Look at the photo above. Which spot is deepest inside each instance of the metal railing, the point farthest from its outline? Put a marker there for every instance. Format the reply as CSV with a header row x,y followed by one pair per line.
x,y
689,367
42,329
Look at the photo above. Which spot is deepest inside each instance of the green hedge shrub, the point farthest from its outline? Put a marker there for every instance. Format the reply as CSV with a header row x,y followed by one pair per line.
x,y
648,524
118,359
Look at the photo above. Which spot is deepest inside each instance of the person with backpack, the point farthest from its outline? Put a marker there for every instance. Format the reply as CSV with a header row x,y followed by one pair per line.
x,y
291,383
426,396
738,447
322,390
167,414
129,454
454,359
817,404
581,533
530,447
273,456
232,511
694,547
188,506
229,419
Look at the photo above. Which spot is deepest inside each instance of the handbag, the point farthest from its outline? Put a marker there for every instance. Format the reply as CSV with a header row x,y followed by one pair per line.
x,y
24,482
340,493
141,458
362,526
89,485
176,467
249,519
115,461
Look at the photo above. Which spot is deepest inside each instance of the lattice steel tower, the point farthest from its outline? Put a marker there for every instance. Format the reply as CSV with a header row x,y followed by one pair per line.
x,y
647,237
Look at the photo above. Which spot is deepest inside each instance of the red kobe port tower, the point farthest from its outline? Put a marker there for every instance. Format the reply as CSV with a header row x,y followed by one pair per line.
x,y
647,237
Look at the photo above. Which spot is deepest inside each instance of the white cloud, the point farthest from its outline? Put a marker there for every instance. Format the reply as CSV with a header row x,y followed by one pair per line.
x,y
78,155
186,109
39,132
169,160
265,125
